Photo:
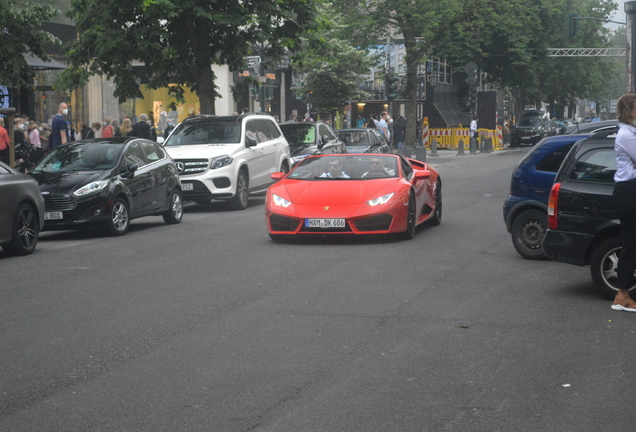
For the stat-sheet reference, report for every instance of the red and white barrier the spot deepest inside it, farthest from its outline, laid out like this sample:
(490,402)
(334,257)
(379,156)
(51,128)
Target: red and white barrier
(425,132)
(499,137)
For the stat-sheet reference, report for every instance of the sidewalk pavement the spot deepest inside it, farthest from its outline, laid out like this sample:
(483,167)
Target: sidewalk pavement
(450,153)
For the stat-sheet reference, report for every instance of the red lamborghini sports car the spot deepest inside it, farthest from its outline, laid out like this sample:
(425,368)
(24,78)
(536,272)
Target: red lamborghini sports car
(354,194)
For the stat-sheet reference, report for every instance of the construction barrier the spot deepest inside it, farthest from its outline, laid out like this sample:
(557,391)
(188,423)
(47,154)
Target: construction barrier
(425,133)
(500,139)
(449,138)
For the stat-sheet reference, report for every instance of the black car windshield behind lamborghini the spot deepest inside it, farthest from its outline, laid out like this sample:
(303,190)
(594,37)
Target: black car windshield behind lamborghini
(299,134)
(530,122)
(205,132)
(346,167)
(81,156)
(353,138)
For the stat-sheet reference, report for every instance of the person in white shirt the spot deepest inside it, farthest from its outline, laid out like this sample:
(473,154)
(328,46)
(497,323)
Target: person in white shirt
(378,169)
(624,200)
(384,126)
(335,170)
(473,128)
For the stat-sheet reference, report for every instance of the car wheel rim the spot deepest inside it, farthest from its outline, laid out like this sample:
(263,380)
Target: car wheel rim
(609,266)
(177,207)
(411,219)
(438,203)
(120,216)
(242,190)
(27,228)
(532,234)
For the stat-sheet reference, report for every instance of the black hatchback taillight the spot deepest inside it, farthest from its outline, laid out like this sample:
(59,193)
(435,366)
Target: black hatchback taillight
(553,206)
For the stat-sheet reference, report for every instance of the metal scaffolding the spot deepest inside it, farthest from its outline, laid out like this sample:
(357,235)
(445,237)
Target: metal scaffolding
(587,52)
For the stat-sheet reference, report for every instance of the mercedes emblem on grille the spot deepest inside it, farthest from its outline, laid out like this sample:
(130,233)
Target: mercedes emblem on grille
(180,167)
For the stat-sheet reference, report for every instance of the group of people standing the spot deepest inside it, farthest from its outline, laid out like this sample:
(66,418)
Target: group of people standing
(392,130)
(33,141)
(144,128)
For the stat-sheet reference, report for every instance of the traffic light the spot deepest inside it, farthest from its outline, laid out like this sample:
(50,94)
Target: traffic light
(573,24)
(391,86)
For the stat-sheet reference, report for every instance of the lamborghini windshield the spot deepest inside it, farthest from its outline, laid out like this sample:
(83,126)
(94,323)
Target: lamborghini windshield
(346,167)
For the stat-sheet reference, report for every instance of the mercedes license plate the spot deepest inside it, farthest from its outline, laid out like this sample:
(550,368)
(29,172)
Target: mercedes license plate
(187,186)
(325,223)
(53,215)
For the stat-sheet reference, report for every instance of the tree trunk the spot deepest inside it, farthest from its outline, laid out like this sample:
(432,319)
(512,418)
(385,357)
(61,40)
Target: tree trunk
(519,96)
(413,55)
(205,87)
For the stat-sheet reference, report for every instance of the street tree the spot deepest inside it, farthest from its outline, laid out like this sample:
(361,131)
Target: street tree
(564,80)
(420,23)
(330,65)
(508,40)
(21,33)
(177,40)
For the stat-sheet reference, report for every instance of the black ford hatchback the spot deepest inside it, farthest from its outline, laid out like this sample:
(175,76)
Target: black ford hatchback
(107,183)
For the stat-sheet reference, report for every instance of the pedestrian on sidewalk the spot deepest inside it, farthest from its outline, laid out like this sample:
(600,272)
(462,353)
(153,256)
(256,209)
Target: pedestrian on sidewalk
(142,129)
(624,199)
(384,126)
(399,129)
(4,143)
(59,129)
(108,130)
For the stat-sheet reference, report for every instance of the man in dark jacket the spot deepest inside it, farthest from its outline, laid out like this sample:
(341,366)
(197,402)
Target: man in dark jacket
(142,129)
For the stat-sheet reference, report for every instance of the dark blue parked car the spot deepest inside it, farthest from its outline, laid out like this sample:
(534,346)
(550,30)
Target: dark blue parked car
(525,209)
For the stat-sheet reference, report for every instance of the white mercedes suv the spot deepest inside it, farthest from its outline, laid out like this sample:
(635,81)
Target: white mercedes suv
(227,157)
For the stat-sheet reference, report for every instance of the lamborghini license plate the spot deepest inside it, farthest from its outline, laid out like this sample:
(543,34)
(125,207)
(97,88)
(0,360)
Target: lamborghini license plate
(325,223)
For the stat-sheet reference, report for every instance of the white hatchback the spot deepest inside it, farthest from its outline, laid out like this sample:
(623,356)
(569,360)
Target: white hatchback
(227,157)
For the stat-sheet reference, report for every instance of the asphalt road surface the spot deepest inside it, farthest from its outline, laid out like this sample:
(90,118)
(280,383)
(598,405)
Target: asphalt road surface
(210,326)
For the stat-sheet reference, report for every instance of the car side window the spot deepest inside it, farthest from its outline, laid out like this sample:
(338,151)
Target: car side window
(152,151)
(273,130)
(3,170)
(251,131)
(375,138)
(262,131)
(134,155)
(322,130)
(326,130)
(597,165)
(552,162)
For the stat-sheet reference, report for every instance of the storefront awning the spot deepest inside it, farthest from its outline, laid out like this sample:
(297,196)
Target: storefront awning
(36,62)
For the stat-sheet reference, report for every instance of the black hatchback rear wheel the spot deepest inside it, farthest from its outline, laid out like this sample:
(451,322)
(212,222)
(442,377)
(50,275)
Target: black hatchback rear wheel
(603,267)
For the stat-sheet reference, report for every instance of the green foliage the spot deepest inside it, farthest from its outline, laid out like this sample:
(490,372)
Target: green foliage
(332,68)
(508,38)
(421,23)
(20,23)
(178,40)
